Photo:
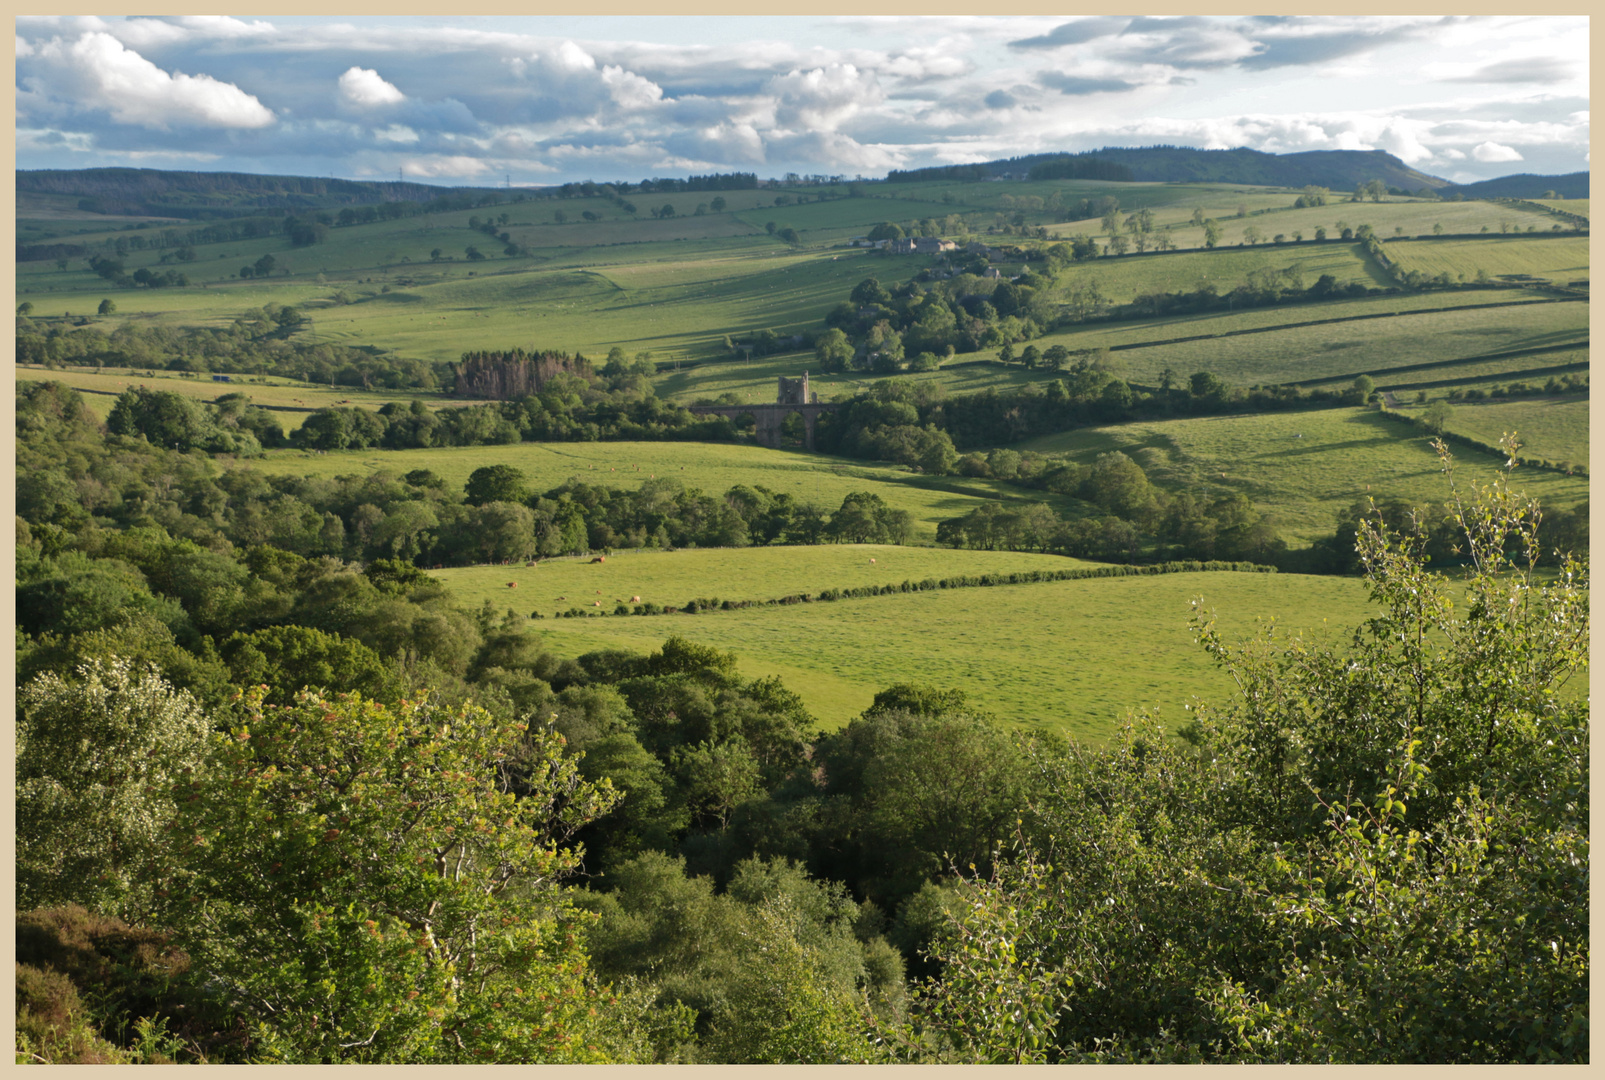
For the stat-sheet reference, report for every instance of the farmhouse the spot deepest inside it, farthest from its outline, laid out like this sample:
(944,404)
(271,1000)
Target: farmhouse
(920,245)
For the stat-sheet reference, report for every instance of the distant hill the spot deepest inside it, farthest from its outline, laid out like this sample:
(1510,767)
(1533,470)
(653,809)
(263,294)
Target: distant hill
(164,193)
(1524,186)
(1341,170)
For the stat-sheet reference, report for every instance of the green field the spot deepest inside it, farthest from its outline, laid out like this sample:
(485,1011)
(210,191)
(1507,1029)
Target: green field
(1570,206)
(1306,354)
(675,286)
(679,306)
(1415,217)
(713,468)
(1534,367)
(1553,428)
(1381,341)
(296,399)
(1069,656)
(670,578)
(1304,468)
(1557,260)
(1123,278)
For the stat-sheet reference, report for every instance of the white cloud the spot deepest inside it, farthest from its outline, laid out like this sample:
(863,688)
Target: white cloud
(580,98)
(365,87)
(570,57)
(98,71)
(831,149)
(1401,138)
(721,144)
(1492,151)
(452,165)
(819,100)
(629,90)
(939,61)
(144,33)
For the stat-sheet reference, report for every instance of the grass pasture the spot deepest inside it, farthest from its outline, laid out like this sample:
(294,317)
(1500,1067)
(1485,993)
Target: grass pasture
(1553,428)
(672,578)
(1557,260)
(1304,467)
(713,468)
(1069,656)
(1165,328)
(291,400)
(1415,217)
(1531,368)
(1124,278)
(1570,206)
(679,304)
(1309,354)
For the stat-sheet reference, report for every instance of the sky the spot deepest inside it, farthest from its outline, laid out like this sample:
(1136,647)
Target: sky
(535,100)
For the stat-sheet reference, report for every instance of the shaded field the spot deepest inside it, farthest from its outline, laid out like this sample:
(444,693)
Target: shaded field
(1571,206)
(712,468)
(1558,260)
(1304,468)
(679,305)
(1325,351)
(671,578)
(673,309)
(1070,656)
(1528,367)
(1553,428)
(291,400)
(1415,217)
(1110,334)
(1122,279)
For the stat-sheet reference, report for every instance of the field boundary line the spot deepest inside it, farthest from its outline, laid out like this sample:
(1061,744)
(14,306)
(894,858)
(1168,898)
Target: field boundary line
(965,581)
(1524,373)
(1340,319)
(1429,365)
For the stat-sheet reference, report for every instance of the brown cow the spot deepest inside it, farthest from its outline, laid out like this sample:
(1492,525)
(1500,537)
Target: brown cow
(600,558)
(512,584)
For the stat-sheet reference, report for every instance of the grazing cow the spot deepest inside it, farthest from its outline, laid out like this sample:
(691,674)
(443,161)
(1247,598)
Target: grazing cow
(596,603)
(512,584)
(635,599)
(562,598)
(872,560)
(600,558)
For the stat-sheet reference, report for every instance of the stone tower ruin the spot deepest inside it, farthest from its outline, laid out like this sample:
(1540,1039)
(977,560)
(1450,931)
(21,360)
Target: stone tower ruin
(794,391)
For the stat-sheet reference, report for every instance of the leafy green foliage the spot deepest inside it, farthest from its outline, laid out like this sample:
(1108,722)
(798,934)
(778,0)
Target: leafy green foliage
(364,882)
(1376,853)
(774,969)
(95,758)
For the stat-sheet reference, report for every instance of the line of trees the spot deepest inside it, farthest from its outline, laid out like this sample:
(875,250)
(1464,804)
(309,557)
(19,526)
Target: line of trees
(283,808)
(257,342)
